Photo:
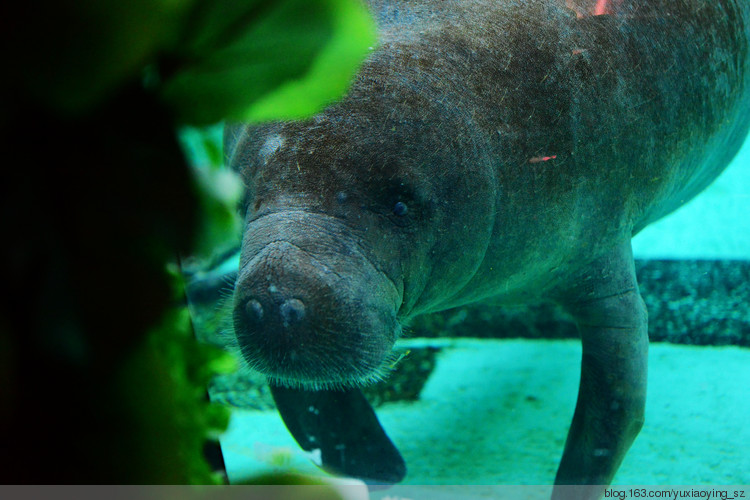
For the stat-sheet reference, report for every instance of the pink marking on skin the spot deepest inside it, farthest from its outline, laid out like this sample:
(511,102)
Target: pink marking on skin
(602,7)
(538,159)
(585,8)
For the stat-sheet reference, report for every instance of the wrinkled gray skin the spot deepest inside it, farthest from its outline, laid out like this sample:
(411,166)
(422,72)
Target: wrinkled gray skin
(489,150)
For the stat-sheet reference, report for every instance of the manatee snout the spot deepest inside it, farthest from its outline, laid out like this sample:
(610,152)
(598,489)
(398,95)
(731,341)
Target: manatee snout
(310,310)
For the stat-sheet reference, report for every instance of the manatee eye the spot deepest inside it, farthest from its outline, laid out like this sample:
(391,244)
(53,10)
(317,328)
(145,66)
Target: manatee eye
(400,209)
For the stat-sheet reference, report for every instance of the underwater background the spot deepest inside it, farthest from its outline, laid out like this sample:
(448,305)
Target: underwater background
(100,379)
(484,396)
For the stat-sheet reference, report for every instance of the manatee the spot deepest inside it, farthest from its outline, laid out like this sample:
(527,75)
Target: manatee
(488,150)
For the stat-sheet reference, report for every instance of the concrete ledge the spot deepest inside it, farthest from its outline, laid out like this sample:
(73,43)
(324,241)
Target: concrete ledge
(701,302)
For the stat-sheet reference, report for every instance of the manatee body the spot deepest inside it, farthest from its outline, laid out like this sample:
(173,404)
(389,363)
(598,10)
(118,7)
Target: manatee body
(488,150)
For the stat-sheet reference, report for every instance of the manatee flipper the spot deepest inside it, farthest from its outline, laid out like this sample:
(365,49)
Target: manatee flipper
(343,425)
(612,320)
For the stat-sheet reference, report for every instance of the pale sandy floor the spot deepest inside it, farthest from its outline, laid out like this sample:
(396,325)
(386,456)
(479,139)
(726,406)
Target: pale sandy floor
(497,411)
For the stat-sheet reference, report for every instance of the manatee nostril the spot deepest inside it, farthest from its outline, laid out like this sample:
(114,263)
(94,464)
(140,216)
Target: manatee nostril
(253,310)
(292,311)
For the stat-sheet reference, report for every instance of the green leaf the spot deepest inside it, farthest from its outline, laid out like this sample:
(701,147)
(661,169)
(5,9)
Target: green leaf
(272,60)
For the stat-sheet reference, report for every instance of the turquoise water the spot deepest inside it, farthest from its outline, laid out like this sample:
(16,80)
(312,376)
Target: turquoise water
(496,411)
(714,225)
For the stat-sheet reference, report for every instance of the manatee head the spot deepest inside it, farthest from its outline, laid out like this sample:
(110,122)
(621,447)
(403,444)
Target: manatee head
(320,284)
(311,309)
(356,220)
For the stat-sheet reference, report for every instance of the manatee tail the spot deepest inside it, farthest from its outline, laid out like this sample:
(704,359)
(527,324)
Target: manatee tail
(344,427)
